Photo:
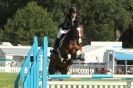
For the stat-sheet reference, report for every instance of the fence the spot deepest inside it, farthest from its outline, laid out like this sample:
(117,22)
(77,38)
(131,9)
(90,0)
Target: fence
(89,84)
(122,69)
(10,69)
(88,69)
(93,81)
(30,77)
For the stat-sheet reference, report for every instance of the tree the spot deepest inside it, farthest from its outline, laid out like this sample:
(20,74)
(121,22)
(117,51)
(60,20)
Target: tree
(30,21)
(1,35)
(8,9)
(102,18)
(126,38)
(99,20)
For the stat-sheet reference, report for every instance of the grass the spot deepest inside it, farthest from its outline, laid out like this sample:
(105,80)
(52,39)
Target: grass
(7,80)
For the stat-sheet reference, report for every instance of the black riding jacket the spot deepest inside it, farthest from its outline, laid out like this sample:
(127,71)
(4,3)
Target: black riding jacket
(68,23)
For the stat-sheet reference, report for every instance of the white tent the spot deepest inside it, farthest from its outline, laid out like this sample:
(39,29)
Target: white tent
(93,54)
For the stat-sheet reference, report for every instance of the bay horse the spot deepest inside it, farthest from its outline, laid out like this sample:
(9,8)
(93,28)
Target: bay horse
(71,44)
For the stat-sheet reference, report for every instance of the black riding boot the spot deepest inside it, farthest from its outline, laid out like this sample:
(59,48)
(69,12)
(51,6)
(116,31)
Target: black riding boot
(56,45)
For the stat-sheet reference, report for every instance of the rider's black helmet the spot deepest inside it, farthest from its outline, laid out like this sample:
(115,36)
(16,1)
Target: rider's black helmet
(72,10)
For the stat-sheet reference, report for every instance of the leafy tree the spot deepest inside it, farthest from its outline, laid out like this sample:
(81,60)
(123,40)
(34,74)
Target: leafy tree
(8,9)
(102,18)
(30,21)
(126,38)
(100,24)
(58,8)
(1,35)
(126,24)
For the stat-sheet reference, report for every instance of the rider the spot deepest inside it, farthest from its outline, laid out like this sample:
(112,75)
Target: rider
(71,20)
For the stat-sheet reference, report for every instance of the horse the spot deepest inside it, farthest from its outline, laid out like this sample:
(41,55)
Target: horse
(71,46)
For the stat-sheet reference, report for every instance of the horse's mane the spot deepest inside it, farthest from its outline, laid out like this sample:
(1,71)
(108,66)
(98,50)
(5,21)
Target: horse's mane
(71,35)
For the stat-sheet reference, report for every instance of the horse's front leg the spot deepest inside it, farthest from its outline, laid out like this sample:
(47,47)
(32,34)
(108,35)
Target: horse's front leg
(73,57)
(51,68)
(65,70)
(52,64)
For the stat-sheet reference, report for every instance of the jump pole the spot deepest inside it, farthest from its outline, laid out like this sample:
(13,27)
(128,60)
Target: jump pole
(91,76)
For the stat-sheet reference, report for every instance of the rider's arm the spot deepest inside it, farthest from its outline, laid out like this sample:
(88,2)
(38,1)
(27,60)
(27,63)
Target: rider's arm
(65,24)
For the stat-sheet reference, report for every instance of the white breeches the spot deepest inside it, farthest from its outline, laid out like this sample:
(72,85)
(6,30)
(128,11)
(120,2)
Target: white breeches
(61,32)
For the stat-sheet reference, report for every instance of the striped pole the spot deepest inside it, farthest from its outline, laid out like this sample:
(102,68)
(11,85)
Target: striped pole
(91,76)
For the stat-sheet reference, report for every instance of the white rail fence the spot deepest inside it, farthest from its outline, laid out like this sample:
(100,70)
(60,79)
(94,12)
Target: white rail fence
(81,69)
(73,70)
(10,69)
(89,84)
(86,69)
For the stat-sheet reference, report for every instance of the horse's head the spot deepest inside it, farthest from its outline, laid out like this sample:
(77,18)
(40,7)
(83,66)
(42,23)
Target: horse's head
(76,33)
(80,31)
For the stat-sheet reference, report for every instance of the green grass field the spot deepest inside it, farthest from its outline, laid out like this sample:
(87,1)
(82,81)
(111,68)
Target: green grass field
(7,80)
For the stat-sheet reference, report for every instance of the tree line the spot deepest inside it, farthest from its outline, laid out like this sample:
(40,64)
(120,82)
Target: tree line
(104,20)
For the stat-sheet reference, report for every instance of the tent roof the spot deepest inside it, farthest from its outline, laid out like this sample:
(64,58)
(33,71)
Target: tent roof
(124,56)
(17,50)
